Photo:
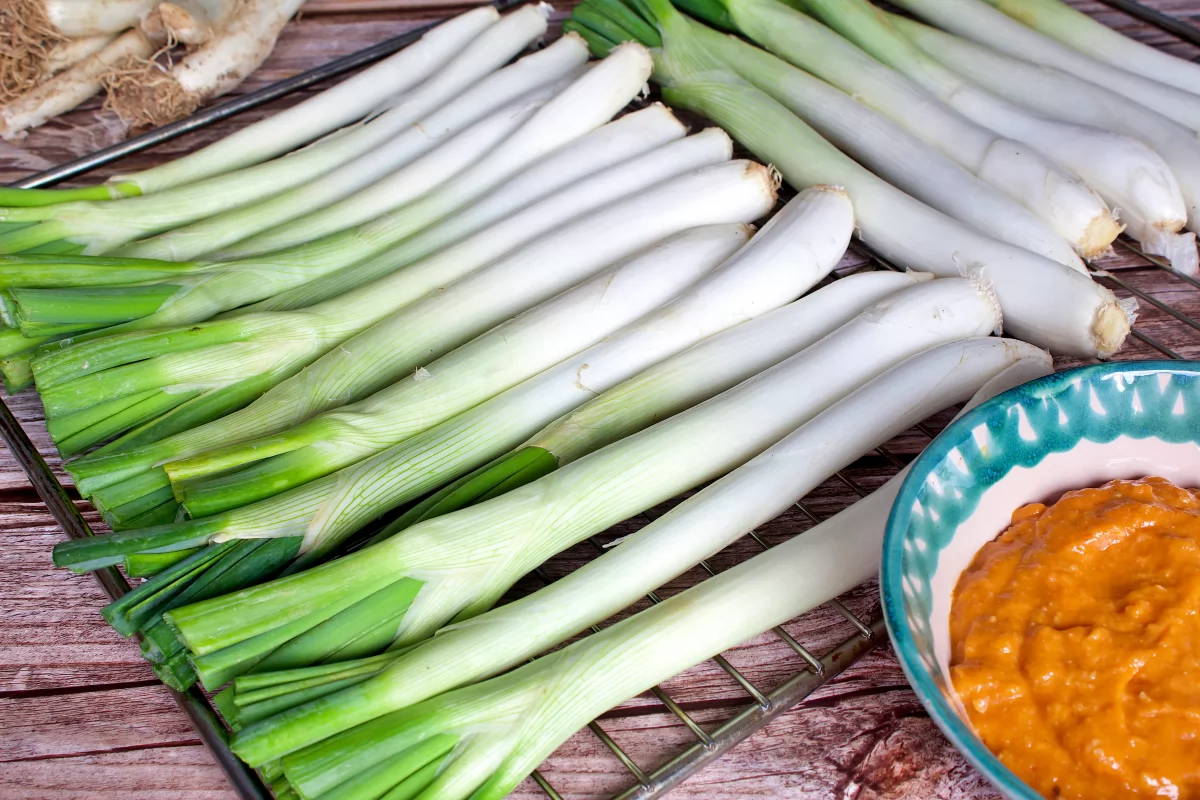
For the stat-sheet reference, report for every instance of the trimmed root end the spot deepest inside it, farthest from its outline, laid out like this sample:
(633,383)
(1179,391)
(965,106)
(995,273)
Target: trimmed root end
(1098,238)
(144,94)
(27,40)
(1112,325)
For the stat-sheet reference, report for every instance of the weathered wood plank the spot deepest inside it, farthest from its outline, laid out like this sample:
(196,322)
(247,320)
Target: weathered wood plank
(185,772)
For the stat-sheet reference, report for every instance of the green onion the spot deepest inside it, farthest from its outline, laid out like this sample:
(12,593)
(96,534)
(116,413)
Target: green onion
(586,104)
(1055,195)
(217,233)
(463,562)
(1057,95)
(505,726)
(105,226)
(501,358)
(1126,173)
(976,20)
(1044,302)
(446,319)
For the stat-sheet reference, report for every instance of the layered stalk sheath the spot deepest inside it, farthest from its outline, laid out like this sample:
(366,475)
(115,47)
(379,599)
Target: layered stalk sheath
(976,20)
(1044,302)
(586,104)
(886,148)
(507,725)
(1061,199)
(105,226)
(536,76)
(458,565)
(1128,175)
(419,332)
(505,636)
(617,142)
(1076,29)
(1058,95)
(351,99)
(318,327)
(762,277)
(759,277)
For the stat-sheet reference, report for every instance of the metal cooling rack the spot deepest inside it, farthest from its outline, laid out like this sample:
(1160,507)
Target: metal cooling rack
(813,671)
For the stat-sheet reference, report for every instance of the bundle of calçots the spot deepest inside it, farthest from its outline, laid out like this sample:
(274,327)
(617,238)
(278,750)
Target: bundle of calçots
(338,381)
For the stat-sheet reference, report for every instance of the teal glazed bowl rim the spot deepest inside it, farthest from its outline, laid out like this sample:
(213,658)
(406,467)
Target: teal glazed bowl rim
(1018,452)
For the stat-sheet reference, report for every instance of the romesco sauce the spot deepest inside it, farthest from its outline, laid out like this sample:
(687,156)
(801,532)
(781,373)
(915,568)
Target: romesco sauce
(1075,643)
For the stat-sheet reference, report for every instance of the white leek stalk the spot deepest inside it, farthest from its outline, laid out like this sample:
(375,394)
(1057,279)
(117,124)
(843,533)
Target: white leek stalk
(523,197)
(463,562)
(1058,20)
(351,99)
(449,318)
(586,104)
(532,76)
(76,18)
(416,335)
(1126,173)
(322,325)
(1044,302)
(1058,95)
(976,20)
(473,373)
(104,226)
(760,278)
(1075,211)
(885,148)
(506,726)
(328,510)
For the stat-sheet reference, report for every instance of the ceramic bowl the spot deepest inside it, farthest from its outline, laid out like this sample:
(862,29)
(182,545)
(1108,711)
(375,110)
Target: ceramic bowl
(1065,431)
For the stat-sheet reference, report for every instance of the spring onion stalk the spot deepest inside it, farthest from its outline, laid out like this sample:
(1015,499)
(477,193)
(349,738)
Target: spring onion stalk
(632,134)
(1124,171)
(396,189)
(1059,21)
(1058,197)
(696,529)
(482,740)
(886,148)
(372,360)
(105,226)
(978,21)
(1059,95)
(569,167)
(760,279)
(583,106)
(506,355)
(327,510)
(263,694)
(507,536)
(336,506)
(350,100)
(49,271)
(316,329)
(1045,303)
(509,354)
(510,84)
(674,385)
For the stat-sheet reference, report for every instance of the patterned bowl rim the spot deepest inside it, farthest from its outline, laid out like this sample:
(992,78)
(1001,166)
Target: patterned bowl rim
(895,617)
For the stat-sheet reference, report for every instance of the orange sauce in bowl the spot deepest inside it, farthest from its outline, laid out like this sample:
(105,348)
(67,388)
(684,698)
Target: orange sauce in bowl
(1075,643)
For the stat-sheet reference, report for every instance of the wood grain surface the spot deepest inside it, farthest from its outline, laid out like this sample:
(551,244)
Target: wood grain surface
(81,715)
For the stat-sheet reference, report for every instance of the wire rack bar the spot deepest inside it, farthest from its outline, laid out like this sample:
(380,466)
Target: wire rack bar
(1165,22)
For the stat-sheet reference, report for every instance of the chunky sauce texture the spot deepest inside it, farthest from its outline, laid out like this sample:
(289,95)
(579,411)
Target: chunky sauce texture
(1075,643)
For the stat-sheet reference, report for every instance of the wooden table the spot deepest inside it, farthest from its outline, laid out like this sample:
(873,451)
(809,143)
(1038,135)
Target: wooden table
(81,715)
